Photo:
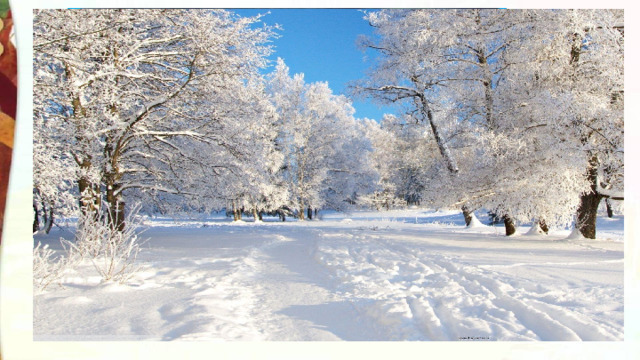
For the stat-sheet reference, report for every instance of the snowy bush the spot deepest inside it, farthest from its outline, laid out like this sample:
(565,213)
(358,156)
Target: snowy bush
(112,252)
(46,269)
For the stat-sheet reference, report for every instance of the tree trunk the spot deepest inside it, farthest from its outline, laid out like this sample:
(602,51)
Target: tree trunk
(260,215)
(509,225)
(589,202)
(89,199)
(116,214)
(89,193)
(256,217)
(116,206)
(120,217)
(487,83)
(452,166)
(543,226)
(587,213)
(309,213)
(609,207)
(282,216)
(449,160)
(468,215)
(301,213)
(45,215)
(234,210)
(49,223)
(36,220)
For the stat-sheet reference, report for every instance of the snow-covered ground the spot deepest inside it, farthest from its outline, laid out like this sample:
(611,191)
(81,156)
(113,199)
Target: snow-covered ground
(396,275)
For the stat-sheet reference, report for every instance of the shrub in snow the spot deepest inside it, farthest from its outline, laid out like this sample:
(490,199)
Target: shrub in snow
(112,252)
(46,269)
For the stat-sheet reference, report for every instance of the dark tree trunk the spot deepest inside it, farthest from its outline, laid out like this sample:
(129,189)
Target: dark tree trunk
(589,202)
(587,213)
(468,215)
(509,225)
(49,223)
(89,199)
(260,214)
(609,208)
(282,216)
(36,219)
(309,213)
(45,215)
(120,219)
(543,226)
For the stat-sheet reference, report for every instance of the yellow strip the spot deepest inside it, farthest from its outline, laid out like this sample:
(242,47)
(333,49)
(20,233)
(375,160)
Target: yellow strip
(7,125)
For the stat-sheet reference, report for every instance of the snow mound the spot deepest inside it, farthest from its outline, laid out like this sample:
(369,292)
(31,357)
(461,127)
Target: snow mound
(535,230)
(576,235)
(475,223)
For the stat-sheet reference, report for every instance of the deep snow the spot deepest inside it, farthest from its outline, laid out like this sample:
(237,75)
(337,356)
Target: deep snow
(396,275)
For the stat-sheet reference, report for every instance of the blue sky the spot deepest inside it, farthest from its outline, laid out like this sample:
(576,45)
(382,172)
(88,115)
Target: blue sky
(321,43)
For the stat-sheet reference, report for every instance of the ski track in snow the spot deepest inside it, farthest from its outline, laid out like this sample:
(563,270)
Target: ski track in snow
(424,295)
(347,280)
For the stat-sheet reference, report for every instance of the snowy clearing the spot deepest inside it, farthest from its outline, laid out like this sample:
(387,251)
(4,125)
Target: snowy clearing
(396,275)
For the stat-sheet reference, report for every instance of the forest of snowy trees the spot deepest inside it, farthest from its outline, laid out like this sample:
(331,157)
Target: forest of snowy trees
(518,112)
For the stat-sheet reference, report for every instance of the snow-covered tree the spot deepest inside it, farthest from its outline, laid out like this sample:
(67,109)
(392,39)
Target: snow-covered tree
(144,99)
(54,179)
(314,129)
(384,161)
(351,173)
(400,156)
(514,159)
(583,68)
(483,81)
(254,185)
(539,146)
(411,70)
